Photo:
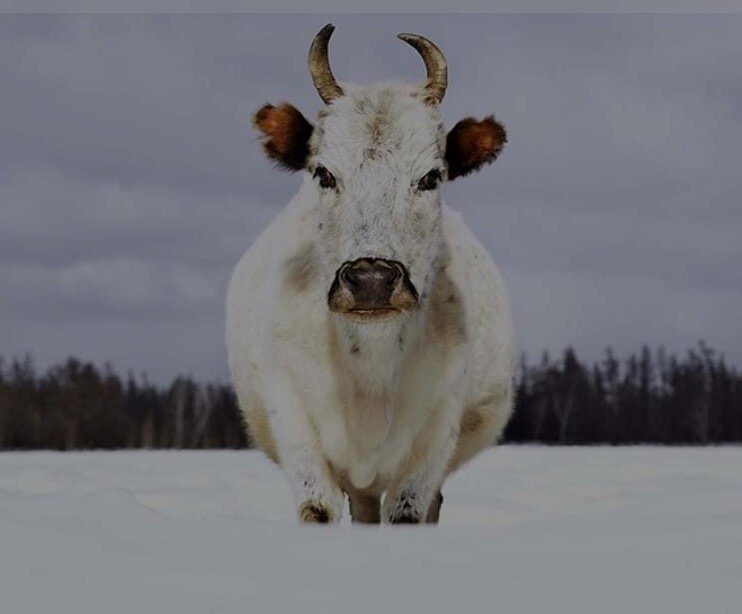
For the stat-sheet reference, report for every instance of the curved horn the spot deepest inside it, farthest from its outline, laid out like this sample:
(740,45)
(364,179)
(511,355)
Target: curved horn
(319,66)
(435,64)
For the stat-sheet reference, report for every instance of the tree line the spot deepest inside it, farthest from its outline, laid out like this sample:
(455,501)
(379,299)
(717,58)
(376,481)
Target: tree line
(650,397)
(77,406)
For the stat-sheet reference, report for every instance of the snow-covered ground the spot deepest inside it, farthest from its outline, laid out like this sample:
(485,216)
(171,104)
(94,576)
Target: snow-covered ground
(557,530)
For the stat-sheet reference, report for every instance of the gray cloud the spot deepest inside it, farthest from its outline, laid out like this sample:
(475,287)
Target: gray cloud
(130,180)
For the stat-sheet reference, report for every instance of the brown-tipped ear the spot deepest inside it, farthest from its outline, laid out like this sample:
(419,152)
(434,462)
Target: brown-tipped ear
(286,134)
(471,144)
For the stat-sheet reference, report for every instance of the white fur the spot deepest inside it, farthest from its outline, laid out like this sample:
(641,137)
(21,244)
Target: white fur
(287,350)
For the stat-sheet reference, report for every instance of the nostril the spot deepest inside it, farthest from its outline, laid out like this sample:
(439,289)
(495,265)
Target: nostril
(393,276)
(349,276)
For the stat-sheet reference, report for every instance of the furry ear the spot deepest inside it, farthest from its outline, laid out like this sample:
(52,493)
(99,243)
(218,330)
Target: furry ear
(471,144)
(286,134)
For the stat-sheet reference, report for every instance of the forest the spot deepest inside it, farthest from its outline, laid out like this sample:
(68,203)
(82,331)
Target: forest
(651,397)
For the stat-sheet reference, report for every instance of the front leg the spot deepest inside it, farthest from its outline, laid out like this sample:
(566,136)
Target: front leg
(318,498)
(411,497)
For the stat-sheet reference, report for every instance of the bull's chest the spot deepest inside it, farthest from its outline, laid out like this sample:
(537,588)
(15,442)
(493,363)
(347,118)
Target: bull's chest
(368,427)
(371,442)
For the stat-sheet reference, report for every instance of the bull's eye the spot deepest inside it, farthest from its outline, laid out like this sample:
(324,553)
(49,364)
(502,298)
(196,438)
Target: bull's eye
(429,181)
(326,178)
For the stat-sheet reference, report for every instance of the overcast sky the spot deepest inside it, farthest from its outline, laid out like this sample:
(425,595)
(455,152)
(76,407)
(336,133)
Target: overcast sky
(131,180)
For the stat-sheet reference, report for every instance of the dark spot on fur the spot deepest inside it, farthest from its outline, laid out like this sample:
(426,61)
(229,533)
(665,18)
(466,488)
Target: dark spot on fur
(301,268)
(471,421)
(404,512)
(353,337)
(446,321)
(355,349)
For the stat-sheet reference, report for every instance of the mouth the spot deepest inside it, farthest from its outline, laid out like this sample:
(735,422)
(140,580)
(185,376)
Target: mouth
(377,314)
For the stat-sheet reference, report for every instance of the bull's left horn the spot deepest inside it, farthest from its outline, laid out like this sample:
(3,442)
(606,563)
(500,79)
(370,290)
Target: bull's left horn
(435,64)
(319,66)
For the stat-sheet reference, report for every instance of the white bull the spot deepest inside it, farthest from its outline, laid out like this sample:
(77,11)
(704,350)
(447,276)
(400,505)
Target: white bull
(368,330)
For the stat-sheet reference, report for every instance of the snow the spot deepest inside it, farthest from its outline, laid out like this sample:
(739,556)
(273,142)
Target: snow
(523,529)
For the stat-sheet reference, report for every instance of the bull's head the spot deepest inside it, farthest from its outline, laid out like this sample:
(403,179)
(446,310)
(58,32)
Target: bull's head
(374,162)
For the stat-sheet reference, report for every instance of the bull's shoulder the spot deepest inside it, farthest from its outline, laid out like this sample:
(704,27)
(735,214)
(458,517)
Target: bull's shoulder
(471,266)
(281,256)
(486,307)
(277,248)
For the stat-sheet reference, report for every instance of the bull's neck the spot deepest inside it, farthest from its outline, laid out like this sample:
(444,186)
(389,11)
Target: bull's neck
(373,353)
(366,344)
(371,361)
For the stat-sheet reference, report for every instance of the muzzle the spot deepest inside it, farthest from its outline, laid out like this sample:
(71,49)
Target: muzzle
(372,289)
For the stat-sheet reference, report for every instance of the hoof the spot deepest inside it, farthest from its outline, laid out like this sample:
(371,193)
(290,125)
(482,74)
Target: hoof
(311,512)
(405,511)
(405,519)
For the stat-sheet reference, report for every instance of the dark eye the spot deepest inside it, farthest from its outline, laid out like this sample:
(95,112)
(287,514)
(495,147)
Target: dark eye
(430,181)
(326,178)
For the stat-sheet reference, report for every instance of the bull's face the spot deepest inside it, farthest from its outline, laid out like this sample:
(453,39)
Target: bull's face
(376,164)
(375,161)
